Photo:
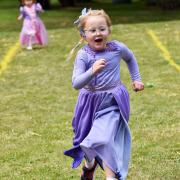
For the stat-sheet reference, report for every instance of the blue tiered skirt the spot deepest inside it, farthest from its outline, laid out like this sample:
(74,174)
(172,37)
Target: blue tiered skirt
(100,126)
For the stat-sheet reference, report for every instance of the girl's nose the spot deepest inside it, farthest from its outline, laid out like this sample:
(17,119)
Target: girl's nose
(97,32)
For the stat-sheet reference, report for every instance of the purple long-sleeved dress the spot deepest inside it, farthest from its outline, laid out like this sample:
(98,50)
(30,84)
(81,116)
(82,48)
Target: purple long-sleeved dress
(100,122)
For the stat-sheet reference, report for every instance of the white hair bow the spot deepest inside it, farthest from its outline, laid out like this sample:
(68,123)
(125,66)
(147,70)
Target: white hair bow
(83,13)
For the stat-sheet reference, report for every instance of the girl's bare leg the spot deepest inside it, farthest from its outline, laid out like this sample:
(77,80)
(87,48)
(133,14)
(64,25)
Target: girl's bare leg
(89,164)
(110,175)
(29,42)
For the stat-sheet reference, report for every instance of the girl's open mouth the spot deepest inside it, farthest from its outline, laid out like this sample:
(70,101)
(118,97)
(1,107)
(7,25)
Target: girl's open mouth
(98,40)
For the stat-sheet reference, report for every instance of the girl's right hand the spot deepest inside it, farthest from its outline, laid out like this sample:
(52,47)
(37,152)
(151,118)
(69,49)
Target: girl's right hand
(19,17)
(98,66)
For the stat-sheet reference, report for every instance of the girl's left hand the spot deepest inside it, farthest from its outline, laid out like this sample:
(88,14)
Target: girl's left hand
(137,86)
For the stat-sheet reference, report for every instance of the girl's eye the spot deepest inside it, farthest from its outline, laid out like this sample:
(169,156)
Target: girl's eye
(92,30)
(102,29)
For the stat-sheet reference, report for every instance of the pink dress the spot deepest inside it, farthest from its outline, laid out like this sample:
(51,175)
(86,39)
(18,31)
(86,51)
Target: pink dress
(32,26)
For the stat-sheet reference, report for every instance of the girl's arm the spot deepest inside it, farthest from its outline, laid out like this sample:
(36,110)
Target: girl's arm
(21,13)
(130,59)
(39,8)
(81,75)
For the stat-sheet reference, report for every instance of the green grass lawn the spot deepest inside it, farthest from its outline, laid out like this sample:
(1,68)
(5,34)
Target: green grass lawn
(37,100)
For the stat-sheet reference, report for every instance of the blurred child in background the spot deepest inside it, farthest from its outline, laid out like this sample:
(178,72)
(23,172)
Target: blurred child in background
(33,30)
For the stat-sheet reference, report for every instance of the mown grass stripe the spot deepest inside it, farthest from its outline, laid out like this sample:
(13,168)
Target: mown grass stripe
(166,53)
(8,57)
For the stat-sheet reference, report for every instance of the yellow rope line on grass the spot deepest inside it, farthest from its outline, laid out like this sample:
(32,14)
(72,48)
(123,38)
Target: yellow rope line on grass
(8,57)
(166,54)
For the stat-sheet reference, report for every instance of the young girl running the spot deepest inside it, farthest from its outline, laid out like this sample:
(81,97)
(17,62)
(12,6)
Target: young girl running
(33,30)
(100,123)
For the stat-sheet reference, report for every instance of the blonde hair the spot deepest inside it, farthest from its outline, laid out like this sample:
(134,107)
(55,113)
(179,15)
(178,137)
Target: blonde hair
(83,19)
(81,24)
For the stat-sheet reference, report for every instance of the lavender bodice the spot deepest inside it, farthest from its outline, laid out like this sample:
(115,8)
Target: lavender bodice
(31,12)
(110,76)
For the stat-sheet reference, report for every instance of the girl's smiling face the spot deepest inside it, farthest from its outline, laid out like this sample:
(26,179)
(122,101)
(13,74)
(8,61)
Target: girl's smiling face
(96,32)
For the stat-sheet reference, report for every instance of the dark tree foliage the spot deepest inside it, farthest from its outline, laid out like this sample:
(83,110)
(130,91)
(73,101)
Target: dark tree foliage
(83,1)
(165,4)
(44,3)
(121,1)
(66,3)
